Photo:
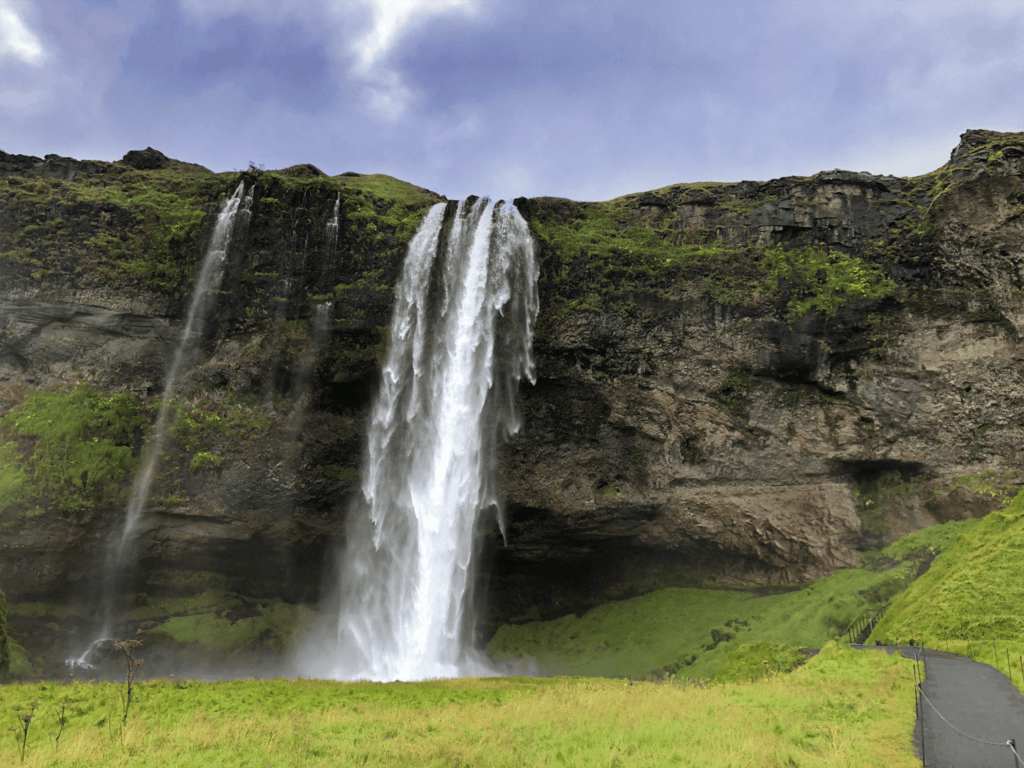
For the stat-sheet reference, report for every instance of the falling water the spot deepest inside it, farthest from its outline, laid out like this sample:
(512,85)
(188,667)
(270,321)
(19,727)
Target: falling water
(460,341)
(203,298)
(331,228)
(202,301)
(320,327)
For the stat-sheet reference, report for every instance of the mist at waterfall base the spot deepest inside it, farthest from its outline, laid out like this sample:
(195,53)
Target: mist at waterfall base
(120,555)
(403,606)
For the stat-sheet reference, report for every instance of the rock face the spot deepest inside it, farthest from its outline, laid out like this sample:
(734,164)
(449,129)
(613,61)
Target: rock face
(746,382)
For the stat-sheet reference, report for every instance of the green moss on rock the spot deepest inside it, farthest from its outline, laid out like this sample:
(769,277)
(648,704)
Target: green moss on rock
(74,450)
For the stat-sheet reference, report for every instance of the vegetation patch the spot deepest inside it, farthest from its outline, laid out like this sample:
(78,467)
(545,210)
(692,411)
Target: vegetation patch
(210,418)
(689,631)
(842,709)
(971,596)
(596,255)
(748,662)
(160,212)
(72,450)
(872,498)
(185,608)
(821,281)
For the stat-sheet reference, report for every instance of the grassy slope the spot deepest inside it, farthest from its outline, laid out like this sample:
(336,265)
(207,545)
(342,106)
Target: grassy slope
(672,627)
(841,709)
(972,597)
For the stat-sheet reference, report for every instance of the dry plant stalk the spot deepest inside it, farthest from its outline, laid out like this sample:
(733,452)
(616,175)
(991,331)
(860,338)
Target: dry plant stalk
(25,715)
(128,647)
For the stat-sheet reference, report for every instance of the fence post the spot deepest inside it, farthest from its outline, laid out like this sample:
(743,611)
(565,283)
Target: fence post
(920,693)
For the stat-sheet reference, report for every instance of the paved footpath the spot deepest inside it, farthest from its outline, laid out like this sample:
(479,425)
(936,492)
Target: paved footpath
(977,700)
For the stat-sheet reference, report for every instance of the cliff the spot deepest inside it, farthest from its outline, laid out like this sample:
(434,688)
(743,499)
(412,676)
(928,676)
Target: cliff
(746,382)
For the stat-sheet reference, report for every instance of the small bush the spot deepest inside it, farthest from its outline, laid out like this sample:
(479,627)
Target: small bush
(205,460)
(753,661)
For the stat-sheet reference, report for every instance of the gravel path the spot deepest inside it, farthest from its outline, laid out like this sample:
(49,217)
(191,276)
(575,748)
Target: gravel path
(974,698)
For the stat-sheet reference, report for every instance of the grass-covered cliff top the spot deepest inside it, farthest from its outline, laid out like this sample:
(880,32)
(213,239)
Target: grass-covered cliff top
(785,247)
(123,224)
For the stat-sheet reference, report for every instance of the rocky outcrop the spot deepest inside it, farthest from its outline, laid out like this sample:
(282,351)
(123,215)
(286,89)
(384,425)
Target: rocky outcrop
(747,382)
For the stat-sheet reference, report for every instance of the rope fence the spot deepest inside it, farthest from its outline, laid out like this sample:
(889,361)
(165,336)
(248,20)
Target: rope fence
(919,676)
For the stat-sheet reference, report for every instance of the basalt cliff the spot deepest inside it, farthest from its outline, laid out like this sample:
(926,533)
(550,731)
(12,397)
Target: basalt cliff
(746,382)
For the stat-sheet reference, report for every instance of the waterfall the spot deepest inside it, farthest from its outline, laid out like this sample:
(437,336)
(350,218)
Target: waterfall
(331,228)
(203,298)
(320,327)
(461,339)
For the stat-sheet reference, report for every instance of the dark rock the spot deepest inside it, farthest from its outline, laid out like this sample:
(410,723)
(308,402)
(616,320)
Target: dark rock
(303,171)
(147,159)
(651,199)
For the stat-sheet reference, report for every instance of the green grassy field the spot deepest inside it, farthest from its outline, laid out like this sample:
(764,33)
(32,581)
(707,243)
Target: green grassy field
(757,702)
(843,708)
(689,632)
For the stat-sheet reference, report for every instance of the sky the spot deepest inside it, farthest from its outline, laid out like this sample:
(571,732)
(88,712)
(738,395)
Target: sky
(586,99)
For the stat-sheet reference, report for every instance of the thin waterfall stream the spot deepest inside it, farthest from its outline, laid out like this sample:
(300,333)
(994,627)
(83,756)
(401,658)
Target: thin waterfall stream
(461,339)
(119,547)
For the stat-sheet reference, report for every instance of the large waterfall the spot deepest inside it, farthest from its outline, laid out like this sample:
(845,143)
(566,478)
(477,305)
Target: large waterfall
(461,339)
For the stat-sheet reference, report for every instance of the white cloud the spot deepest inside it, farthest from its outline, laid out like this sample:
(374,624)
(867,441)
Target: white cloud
(390,18)
(386,95)
(16,39)
(381,25)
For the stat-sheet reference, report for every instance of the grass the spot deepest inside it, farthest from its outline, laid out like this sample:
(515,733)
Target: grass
(756,661)
(972,596)
(691,631)
(842,709)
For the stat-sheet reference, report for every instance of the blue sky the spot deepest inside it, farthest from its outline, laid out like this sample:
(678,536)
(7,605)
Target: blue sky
(587,100)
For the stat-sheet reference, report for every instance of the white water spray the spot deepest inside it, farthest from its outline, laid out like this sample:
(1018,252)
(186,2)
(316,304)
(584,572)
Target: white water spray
(320,327)
(461,338)
(203,298)
(331,228)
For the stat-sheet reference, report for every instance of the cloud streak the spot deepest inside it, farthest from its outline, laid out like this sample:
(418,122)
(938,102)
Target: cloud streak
(17,41)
